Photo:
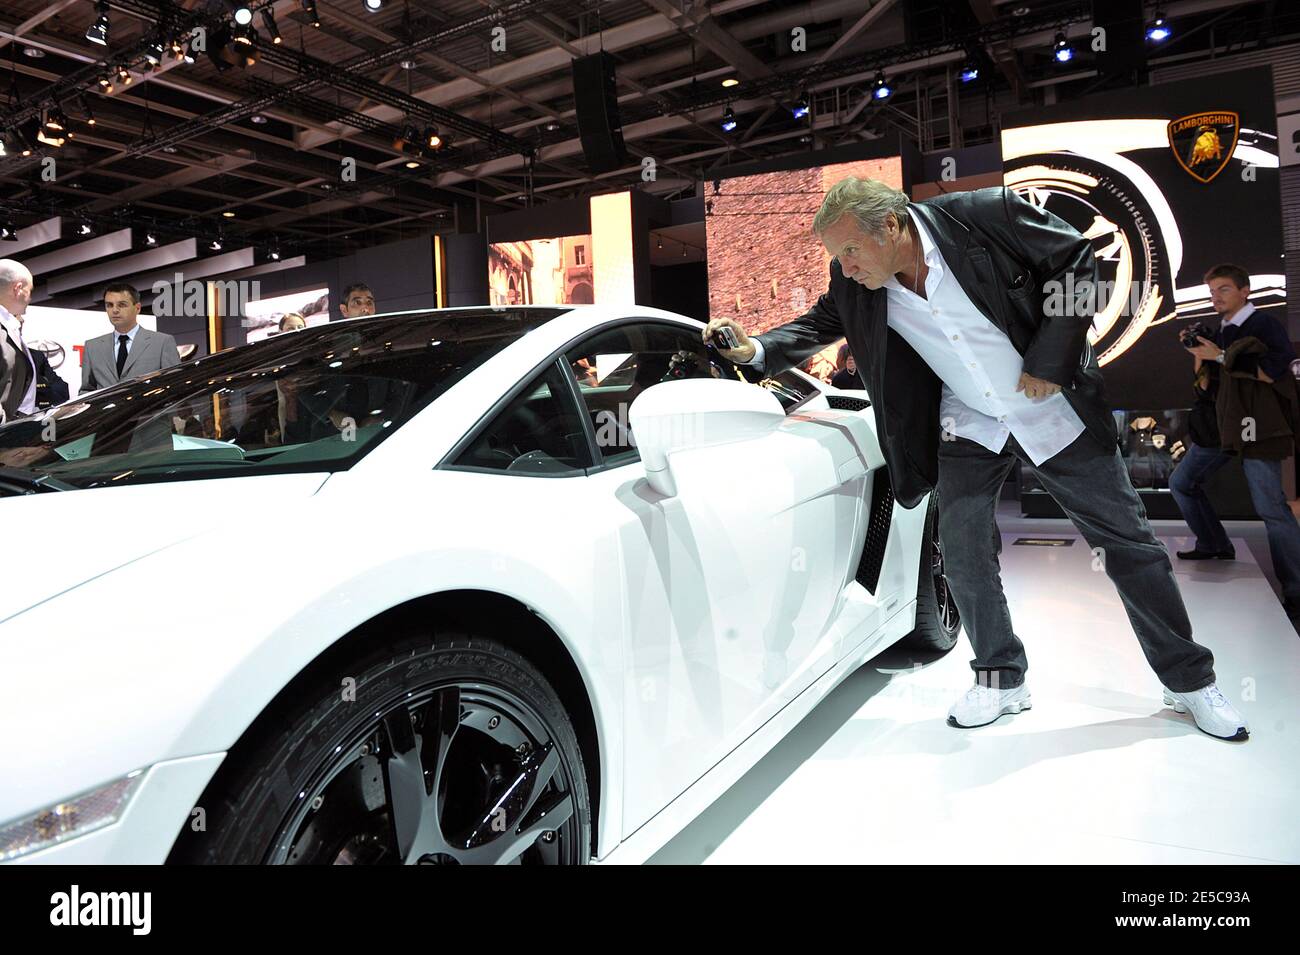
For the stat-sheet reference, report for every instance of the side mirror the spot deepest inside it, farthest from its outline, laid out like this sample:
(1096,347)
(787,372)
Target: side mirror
(694,413)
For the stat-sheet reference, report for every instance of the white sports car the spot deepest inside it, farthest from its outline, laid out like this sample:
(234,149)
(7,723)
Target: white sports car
(404,589)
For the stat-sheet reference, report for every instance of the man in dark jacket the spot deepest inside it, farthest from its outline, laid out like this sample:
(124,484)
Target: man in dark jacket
(969,314)
(1250,359)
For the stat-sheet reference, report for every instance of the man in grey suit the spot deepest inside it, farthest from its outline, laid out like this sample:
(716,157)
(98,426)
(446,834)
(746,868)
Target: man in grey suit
(130,351)
(17,370)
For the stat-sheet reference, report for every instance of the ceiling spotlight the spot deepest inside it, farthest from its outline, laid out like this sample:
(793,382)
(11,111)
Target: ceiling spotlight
(228,214)
(150,239)
(411,164)
(176,49)
(188,55)
(1158,29)
(243,34)
(20,141)
(881,89)
(552,126)
(97,32)
(268,20)
(431,138)
(85,228)
(730,81)
(123,74)
(243,14)
(309,8)
(1062,50)
(215,244)
(34,52)
(274,254)
(800,109)
(155,52)
(106,82)
(728,120)
(55,120)
(258,118)
(85,108)
(969,71)
(8,231)
(53,131)
(373,6)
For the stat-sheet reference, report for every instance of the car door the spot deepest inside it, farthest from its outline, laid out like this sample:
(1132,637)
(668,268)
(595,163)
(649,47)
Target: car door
(732,584)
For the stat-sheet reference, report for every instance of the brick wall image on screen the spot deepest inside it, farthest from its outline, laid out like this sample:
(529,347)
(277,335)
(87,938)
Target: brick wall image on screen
(766,267)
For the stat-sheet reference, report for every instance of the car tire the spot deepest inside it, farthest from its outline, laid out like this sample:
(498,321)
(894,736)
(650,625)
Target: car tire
(447,750)
(938,621)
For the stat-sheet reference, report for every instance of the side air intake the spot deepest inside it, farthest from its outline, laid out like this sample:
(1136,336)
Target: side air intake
(882,512)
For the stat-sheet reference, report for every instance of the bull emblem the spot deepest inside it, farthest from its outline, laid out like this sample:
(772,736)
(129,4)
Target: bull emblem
(1203,143)
(1207,146)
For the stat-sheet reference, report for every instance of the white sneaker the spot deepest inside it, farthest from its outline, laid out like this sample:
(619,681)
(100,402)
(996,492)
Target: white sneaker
(1211,710)
(982,705)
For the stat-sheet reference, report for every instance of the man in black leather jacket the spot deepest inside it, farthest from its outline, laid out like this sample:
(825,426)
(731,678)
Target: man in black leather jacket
(969,315)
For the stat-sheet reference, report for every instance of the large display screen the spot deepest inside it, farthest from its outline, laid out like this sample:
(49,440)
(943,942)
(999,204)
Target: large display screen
(555,271)
(765,265)
(261,317)
(1166,181)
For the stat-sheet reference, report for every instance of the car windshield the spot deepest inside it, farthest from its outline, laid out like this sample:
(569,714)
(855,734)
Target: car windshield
(310,400)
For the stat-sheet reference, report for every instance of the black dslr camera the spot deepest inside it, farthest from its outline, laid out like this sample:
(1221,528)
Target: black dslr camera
(1196,330)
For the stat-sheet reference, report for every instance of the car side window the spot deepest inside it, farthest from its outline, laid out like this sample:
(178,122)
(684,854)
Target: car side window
(613,367)
(539,432)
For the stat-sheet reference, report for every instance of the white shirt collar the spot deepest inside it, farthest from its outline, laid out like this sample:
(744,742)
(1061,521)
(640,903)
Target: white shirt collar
(130,335)
(929,251)
(1246,311)
(9,320)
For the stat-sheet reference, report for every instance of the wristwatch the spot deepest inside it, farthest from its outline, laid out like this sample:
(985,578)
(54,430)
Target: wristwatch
(1219,357)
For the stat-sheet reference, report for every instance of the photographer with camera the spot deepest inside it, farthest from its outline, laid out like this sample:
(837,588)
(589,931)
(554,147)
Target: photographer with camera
(1246,406)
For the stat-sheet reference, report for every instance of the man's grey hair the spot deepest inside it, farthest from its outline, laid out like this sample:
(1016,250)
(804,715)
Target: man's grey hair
(12,270)
(869,201)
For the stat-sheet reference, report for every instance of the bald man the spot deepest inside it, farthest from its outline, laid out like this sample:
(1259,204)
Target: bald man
(17,370)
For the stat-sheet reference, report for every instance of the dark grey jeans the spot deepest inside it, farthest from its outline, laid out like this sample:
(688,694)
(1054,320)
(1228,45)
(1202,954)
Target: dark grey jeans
(1094,490)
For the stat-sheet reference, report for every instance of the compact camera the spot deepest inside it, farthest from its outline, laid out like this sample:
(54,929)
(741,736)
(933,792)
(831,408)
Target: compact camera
(1196,330)
(724,337)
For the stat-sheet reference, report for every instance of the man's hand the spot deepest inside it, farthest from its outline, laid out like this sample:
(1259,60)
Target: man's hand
(746,350)
(1207,350)
(1036,387)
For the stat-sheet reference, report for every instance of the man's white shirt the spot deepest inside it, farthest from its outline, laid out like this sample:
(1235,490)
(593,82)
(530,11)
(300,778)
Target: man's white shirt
(14,326)
(976,362)
(130,338)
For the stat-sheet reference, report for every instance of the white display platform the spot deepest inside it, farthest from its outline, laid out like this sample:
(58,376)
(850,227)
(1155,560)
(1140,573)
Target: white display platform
(1097,772)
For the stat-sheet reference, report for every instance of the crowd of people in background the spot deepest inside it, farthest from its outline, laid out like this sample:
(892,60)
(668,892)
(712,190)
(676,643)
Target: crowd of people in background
(29,384)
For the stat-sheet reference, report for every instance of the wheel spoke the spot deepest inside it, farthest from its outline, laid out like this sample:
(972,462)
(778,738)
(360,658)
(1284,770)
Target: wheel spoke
(412,774)
(443,716)
(408,797)
(552,813)
(520,795)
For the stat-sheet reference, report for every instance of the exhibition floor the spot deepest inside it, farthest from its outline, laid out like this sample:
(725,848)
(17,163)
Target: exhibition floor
(1097,772)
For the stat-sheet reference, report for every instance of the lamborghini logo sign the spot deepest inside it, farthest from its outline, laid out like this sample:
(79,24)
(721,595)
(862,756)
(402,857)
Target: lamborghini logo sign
(1203,143)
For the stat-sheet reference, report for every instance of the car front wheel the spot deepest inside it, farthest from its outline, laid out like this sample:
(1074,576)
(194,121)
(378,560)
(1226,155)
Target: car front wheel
(453,750)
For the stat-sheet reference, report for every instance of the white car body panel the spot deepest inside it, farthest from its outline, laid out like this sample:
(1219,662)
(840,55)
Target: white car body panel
(703,625)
